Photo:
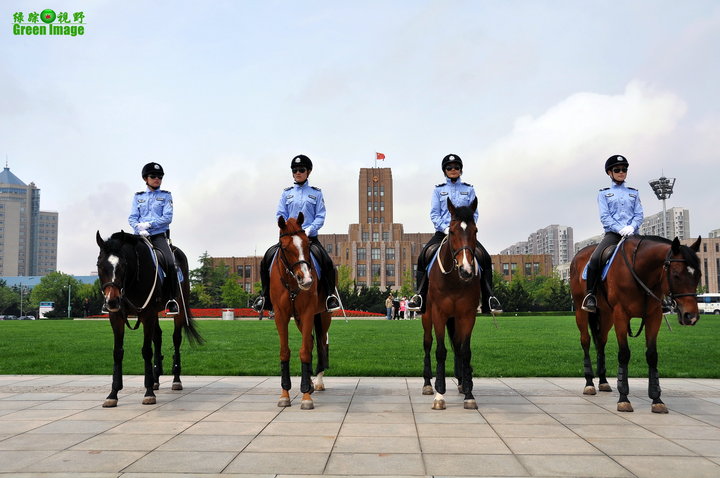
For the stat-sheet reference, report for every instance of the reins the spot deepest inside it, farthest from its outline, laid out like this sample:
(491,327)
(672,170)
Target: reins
(289,271)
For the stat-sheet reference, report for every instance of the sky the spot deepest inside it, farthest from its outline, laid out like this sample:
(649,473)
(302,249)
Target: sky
(534,96)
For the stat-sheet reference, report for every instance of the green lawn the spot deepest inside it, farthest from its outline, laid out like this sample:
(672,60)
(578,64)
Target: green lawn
(519,347)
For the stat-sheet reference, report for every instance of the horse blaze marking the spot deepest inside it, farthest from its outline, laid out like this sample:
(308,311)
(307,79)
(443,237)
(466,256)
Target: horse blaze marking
(297,242)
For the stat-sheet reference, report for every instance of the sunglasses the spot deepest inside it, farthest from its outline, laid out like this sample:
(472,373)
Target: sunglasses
(452,168)
(154,176)
(619,170)
(298,170)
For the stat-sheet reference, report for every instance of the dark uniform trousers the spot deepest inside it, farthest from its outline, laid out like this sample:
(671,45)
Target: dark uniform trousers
(593,270)
(161,242)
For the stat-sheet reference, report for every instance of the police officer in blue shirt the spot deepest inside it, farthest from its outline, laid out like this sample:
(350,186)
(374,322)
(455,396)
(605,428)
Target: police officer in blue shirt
(150,216)
(461,194)
(621,215)
(301,197)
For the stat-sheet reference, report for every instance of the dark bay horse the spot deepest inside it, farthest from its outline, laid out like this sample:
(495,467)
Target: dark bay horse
(452,301)
(129,277)
(294,293)
(645,269)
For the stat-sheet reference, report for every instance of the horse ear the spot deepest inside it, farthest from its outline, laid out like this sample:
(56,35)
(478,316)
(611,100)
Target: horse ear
(301,219)
(451,207)
(696,245)
(99,240)
(281,222)
(473,205)
(676,245)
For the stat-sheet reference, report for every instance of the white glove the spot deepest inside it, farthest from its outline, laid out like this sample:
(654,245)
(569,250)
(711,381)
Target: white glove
(309,231)
(141,226)
(144,233)
(446,231)
(626,231)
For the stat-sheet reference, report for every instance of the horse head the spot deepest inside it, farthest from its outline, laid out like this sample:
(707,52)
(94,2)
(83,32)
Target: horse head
(295,250)
(683,275)
(463,238)
(112,267)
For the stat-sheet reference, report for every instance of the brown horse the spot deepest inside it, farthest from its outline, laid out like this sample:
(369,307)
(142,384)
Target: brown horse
(646,269)
(294,293)
(452,301)
(129,277)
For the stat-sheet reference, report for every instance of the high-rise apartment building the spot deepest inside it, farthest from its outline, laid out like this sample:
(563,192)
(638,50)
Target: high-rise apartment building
(554,240)
(28,236)
(677,220)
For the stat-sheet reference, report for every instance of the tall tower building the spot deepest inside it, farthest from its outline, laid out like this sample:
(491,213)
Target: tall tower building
(28,236)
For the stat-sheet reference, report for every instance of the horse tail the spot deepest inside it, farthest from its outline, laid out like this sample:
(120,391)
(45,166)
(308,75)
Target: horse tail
(594,326)
(191,332)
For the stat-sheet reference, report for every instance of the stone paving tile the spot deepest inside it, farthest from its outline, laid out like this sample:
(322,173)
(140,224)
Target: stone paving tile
(375,444)
(708,448)
(376,429)
(573,465)
(85,461)
(225,428)
(77,426)
(190,462)
(646,446)
(12,461)
(473,465)
(141,427)
(376,464)
(669,467)
(470,446)
(279,463)
(456,430)
(550,446)
(294,444)
(369,417)
(43,441)
(213,442)
(301,429)
(542,431)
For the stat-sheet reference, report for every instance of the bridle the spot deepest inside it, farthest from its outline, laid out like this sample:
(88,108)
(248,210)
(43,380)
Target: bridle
(289,268)
(454,253)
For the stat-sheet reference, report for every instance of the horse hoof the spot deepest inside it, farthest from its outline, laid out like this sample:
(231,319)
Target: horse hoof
(319,387)
(470,405)
(427,390)
(438,405)
(605,387)
(624,407)
(149,401)
(659,408)
(156,386)
(177,386)
(110,403)
(284,402)
(307,405)
(589,390)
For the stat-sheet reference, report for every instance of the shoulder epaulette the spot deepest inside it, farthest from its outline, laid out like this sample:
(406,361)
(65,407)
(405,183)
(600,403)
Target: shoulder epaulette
(316,188)
(288,188)
(440,185)
(604,189)
(139,192)
(164,191)
(468,184)
(634,189)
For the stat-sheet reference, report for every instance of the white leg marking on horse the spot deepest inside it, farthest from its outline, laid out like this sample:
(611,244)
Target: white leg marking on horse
(439,396)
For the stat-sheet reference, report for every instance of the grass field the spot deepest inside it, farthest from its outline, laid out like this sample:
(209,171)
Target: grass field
(519,347)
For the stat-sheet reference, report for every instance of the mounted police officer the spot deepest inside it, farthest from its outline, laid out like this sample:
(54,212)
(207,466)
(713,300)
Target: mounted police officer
(621,214)
(150,217)
(461,194)
(301,197)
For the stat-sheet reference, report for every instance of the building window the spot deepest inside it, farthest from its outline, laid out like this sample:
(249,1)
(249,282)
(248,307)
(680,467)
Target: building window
(361,270)
(329,248)
(365,236)
(369,206)
(375,253)
(389,270)
(248,272)
(386,237)
(375,220)
(240,271)
(382,190)
(361,254)
(528,269)
(536,268)
(375,273)
(375,191)
(506,269)
(382,205)
(390,254)
(376,236)
(369,190)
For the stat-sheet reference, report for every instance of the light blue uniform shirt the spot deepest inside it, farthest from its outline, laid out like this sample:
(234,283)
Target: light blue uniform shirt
(619,207)
(153,206)
(306,199)
(461,194)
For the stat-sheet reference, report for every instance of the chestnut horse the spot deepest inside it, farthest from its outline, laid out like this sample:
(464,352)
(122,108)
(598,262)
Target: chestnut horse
(452,301)
(294,293)
(646,269)
(129,277)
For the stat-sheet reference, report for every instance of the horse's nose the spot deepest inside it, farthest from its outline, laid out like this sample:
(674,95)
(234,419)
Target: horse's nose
(305,282)
(113,305)
(689,319)
(465,275)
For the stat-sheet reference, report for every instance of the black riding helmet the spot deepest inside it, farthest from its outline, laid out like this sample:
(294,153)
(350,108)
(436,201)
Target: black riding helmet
(616,160)
(152,168)
(451,158)
(301,161)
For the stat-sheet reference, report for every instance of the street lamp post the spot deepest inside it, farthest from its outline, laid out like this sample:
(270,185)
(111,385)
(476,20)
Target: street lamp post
(69,306)
(663,188)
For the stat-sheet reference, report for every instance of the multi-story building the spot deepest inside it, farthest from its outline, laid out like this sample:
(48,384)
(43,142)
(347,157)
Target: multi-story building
(709,255)
(587,242)
(554,240)
(678,224)
(28,236)
(528,265)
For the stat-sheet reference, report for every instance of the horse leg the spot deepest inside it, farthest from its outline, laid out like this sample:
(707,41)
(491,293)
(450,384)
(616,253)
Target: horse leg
(465,356)
(322,324)
(149,327)
(281,323)
(440,356)
(603,384)
(582,321)
(117,323)
(651,355)
(157,367)
(457,364)
(177,368)
(306,347)
(427,346)
(623,387)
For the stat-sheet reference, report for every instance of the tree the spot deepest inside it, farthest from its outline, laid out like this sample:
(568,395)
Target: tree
(408,287)
(9,300)
(211,279)
(233,294)
(54,287)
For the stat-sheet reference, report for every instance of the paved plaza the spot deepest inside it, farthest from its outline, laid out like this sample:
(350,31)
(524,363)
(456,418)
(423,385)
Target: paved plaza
(54,426)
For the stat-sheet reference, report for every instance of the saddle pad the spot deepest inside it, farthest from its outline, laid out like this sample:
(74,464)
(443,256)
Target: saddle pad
(161,271)
(605,269)
(315,263)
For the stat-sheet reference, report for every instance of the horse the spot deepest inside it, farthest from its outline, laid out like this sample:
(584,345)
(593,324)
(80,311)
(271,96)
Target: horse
(129,273)
(294,293)
(452,302)
(648,268)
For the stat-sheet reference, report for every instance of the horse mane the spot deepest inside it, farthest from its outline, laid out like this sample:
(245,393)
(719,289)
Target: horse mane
(688,254)
(118,239)
(464,213)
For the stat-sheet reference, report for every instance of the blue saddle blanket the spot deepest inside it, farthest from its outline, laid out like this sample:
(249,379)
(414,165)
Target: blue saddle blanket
(161,271)
(315,263)
(605,269)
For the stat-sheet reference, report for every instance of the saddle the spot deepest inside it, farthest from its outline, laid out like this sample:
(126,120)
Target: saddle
(606,259)
(162,262)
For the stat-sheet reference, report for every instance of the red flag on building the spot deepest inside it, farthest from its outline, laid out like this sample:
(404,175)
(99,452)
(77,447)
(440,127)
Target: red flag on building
(379,156)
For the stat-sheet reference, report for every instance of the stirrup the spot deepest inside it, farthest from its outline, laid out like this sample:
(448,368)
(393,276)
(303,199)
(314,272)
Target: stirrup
(589,303)
(415,301)
(259,304)
(171,308)
(332,303)
(494,304)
